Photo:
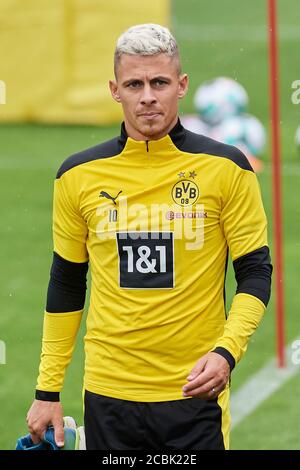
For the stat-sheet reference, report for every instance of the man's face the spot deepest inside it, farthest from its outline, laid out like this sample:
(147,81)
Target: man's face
(148,87)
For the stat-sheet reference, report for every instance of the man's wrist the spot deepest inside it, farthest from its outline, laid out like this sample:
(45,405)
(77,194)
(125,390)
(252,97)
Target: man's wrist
(227,355)
(46,396)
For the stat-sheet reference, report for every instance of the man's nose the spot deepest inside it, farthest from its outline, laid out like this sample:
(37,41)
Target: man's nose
(147,96)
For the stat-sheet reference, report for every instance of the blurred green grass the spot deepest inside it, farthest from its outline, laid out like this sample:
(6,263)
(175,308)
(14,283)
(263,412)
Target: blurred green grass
(224,39)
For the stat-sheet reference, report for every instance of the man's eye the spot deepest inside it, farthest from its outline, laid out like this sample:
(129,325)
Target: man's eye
(134,84)
(160,82)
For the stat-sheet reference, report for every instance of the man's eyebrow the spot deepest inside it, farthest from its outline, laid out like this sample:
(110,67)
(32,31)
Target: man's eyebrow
(159,77)
(130,80)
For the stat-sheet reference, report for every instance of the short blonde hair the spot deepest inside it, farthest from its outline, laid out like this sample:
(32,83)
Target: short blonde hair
(147,39)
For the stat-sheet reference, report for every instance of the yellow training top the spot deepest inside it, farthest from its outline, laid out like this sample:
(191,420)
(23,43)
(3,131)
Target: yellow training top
(155,220)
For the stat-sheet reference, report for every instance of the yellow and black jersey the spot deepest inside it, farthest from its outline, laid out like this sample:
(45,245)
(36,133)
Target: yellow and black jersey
(154,220)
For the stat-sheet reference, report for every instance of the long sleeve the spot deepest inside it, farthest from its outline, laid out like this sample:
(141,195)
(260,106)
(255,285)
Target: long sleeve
(245,227)
(66,293)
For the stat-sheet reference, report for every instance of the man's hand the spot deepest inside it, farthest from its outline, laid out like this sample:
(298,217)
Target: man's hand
(43,414)
(208,378)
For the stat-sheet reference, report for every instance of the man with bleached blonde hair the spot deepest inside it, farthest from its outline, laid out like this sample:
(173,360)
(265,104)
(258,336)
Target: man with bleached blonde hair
(154,211)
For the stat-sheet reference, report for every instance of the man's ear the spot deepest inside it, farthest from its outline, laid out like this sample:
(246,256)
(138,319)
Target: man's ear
(183,85)
(114,90)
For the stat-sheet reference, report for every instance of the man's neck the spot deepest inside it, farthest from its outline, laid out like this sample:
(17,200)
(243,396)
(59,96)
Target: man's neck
(135,134)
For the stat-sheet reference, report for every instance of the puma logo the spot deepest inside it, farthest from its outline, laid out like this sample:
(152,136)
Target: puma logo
(108,196)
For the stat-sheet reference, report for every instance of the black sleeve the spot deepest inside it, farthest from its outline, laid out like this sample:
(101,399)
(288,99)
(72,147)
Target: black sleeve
(253,274)
(67,286)
(46,396)
(227,355)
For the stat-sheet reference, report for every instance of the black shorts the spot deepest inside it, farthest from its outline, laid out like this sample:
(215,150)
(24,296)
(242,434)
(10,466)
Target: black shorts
(188,424)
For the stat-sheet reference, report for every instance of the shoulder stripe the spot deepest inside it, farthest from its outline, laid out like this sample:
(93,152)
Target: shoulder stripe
(196,143)
(107,149)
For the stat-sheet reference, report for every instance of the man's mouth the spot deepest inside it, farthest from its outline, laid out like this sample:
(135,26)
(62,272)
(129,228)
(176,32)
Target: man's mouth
(149,116)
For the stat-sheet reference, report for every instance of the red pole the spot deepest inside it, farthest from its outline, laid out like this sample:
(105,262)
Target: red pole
(276,176)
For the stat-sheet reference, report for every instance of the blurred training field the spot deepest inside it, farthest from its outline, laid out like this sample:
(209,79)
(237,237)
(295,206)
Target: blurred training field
(216,38)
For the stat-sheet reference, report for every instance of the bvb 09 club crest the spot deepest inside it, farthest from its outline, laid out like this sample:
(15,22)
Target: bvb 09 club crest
(185,193)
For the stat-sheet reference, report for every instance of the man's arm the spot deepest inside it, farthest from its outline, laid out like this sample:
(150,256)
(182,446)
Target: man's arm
(65,303)
(243,222)
(211,373)
(253,275)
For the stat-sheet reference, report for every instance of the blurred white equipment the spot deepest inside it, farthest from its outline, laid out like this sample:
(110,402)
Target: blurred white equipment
(193,123)
(217,99)
(245,132)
